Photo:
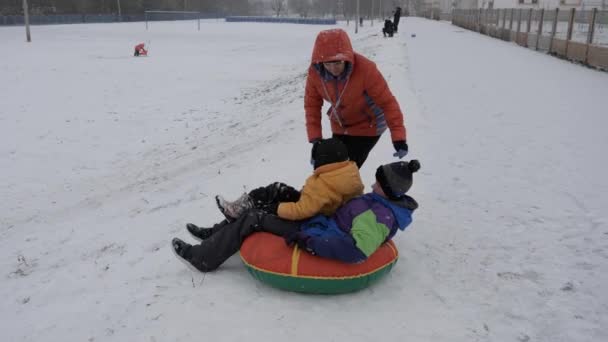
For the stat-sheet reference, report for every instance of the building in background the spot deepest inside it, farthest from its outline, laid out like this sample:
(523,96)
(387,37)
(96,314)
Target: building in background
(562,4)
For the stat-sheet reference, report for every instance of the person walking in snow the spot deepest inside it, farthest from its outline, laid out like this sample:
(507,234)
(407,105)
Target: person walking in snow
(362,105)
(396,18)
(353,233)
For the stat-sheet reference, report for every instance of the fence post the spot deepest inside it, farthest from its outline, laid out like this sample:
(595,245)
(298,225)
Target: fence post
(479,20)
(571,23)
(540,27)
(488,12)
(519,11)
(529,21)
(518,22)
(485,20)
(553,29)
(504,19)
(590,33)
(591,27)
(570,29)
(474,14)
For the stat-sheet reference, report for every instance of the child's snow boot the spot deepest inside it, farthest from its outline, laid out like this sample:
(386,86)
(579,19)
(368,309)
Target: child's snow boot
(232,210)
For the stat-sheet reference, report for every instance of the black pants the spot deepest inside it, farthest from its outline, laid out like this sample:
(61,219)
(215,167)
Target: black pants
(228,237)
(358,146)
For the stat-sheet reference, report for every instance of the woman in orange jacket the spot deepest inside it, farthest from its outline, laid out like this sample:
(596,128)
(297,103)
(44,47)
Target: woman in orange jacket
(362,105)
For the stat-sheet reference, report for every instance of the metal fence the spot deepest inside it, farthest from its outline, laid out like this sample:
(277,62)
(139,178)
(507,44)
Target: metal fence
(580,36)
(99,18)
(435,14)
(308,21)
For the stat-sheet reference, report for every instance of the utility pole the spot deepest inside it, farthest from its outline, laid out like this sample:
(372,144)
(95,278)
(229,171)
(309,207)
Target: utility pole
(26,16)
(357,19)
(372,14)
(119,11)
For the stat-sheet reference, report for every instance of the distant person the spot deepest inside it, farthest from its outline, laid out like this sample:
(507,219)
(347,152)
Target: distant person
(362,105)
(396,18)
(140,50)
(388,28)
(360,21)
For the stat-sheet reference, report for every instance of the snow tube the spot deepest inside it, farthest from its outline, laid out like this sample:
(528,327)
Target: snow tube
(270,260)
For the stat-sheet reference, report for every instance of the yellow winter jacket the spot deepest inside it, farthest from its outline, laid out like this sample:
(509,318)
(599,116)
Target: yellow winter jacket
(328,188)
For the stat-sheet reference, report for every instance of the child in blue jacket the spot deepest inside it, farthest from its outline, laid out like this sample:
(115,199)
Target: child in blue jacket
(361,225)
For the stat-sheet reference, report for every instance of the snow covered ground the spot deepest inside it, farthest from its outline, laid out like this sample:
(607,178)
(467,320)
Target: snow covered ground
(105,157)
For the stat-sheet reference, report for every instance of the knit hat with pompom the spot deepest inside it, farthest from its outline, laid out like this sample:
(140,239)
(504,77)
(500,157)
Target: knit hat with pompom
(395,179)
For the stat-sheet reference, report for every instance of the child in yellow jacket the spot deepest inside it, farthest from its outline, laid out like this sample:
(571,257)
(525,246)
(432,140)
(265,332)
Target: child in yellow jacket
(334,181)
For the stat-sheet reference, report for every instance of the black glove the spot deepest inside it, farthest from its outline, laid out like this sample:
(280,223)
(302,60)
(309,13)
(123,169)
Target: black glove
(401,148)
(272,208)
(287,193)
(261,196)
(275,192)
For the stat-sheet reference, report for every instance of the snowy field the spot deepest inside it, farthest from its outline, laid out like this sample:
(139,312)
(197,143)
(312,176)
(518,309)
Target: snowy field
(106,157)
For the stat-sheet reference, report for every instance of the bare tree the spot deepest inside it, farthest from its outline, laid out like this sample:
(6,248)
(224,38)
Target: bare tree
(277,6)
(301,7)
(46,7)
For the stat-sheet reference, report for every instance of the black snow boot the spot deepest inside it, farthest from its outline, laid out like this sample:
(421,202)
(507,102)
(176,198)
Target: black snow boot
(199,232)
(183,251)
(181,248)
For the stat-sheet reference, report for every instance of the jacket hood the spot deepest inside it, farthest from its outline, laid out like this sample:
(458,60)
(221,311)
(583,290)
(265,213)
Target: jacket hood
(341,177)
(402,209)
(332,45)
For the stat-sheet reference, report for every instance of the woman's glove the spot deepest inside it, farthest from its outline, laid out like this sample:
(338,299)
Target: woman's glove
(401,148)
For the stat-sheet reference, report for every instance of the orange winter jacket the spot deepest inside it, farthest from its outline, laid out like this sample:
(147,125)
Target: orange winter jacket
(361,102)
(328,188)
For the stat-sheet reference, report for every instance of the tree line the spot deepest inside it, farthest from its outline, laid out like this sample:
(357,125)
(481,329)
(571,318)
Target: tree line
(301,8)
(41,7)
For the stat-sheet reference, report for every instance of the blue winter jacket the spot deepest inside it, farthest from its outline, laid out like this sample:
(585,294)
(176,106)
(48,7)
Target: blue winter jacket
(357,228)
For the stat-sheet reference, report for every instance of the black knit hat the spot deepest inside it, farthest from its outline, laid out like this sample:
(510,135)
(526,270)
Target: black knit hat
(395,179)
(328,151)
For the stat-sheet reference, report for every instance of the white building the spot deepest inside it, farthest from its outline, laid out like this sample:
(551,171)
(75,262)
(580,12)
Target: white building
(562,4)
(446,6)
